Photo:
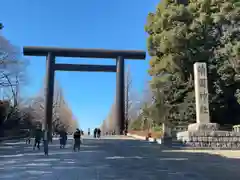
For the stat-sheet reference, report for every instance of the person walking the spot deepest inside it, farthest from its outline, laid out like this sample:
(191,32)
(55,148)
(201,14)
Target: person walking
(95,133)
(98,132)
(38,137)
(77,140)
(63,138)
(28,139)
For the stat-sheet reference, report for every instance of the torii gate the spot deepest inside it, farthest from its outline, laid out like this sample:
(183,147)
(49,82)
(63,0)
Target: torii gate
(52,52)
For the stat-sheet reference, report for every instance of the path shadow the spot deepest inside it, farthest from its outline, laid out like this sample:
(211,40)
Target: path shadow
(170,163)
(122,159)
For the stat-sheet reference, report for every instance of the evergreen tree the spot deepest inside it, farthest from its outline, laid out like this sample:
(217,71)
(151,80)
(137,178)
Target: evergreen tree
(197,31)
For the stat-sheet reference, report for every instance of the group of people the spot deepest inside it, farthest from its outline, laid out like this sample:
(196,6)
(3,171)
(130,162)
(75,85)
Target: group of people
(76,136)
(38,136)
(97,133)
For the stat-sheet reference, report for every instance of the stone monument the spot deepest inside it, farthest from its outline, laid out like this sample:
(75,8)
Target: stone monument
(201,98)
(203,133)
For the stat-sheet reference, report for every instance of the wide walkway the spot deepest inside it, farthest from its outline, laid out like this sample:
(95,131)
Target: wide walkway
(112,158)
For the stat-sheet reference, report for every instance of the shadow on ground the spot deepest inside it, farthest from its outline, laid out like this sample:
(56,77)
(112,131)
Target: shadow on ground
(114,159)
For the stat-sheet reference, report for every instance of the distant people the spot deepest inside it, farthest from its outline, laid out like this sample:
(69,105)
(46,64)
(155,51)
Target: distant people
(63,138)
(28,139)
(77,140)
(89,132)
(98,133)
(95,133)
(38,137)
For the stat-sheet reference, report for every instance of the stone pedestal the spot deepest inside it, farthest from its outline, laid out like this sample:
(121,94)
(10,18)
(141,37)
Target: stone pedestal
(203,127)
(197,128)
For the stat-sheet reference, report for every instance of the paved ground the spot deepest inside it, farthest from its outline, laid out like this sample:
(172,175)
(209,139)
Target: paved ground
(115,159)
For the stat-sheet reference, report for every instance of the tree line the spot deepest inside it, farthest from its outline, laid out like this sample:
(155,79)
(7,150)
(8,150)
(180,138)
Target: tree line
(18,114)
(181,33)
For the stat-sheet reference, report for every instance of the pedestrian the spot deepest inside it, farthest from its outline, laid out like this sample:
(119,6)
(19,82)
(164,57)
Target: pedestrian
(95,133)
(38,137)
(63,138)
(28,139)
(77,140)
(98,133)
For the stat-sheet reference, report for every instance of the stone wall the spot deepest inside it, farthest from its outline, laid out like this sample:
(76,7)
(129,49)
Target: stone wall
(214,139)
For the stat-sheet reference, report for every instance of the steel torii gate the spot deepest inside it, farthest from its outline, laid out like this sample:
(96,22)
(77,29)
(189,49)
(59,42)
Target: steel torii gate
(52,52)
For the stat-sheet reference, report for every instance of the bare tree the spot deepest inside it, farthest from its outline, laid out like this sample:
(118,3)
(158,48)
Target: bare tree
(128,102)
(134,108)
(103,127)
(140,108)
(66,117)
(111,120)
(130,105)
(12,65)
(12,76)
(74,124)
(62,114)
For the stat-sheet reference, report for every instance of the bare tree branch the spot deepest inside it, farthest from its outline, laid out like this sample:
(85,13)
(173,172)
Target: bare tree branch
(62,115)
(12,71)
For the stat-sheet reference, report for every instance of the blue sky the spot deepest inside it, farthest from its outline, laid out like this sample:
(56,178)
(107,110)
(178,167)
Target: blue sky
(109,24)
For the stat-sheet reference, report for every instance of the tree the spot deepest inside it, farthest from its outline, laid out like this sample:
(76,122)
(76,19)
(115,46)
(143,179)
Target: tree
(141,110)
(135,107)
(111,119)
(128,102)
(104,127)
(12,76)
(197,31)
(62,115)
(136,124)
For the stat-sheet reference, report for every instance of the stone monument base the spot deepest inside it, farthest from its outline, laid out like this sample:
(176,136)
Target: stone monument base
(203,127)
(208,135)
(196,128)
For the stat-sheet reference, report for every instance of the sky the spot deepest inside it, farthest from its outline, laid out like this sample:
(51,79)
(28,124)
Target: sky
(107,24)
